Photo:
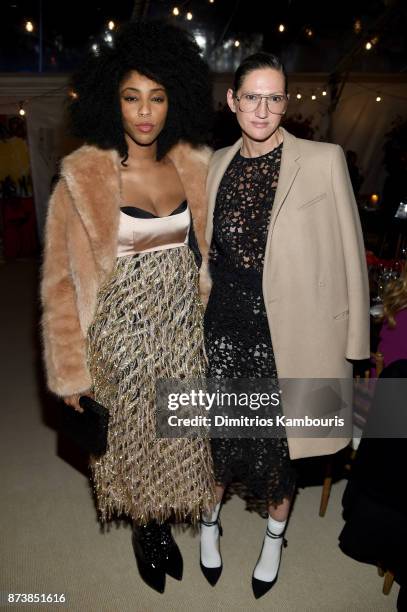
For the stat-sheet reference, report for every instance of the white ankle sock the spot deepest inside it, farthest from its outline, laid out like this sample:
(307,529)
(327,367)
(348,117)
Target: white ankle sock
(267,566)
(210,555)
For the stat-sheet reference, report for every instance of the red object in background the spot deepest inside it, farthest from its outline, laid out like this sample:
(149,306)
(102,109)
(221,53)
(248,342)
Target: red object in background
(19,227)
(372,260)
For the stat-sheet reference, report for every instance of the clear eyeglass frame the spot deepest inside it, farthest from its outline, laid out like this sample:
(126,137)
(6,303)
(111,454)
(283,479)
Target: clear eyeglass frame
(259,98)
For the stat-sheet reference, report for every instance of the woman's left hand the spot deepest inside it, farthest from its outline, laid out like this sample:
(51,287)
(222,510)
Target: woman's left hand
(73,400)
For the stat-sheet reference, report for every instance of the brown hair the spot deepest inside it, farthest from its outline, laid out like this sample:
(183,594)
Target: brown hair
(395,297)
(255,62)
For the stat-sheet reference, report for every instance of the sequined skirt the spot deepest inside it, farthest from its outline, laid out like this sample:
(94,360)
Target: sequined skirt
(148,325)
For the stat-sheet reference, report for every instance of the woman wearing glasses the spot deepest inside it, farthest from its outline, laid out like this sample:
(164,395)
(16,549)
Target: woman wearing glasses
(289,296)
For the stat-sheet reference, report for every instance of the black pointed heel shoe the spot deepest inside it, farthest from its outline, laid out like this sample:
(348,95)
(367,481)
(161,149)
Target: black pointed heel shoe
(173,563)
(261,587)
(148,552)
(212,574)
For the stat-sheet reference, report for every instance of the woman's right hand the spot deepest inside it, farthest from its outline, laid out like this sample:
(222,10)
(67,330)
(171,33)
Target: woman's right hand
(73,400)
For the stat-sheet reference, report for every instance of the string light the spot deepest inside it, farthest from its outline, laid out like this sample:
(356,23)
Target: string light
(313,97)
(62,90)
(324,92)
(374,198)
(175,11)
(21,111)
(378,98)
(73,94)
(111,25)
(368,45)
(309,32)
(95,48)
(189,16)
(237,43)
(376,92)
(50,92)
(281,27)
(29,26)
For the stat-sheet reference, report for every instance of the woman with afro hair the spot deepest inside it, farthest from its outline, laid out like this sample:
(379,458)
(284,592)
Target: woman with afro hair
(120,285)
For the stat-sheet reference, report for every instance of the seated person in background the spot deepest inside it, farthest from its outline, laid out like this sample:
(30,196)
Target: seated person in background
(393,334)
(375,498)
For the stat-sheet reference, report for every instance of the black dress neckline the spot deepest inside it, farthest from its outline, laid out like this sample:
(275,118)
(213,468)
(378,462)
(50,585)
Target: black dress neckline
(259,157)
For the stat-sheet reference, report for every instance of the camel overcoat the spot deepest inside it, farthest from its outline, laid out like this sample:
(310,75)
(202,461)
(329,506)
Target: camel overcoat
(81,248)
(315,283)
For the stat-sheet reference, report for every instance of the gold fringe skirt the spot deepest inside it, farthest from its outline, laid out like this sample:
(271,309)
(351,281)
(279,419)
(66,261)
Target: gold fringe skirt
(148,325)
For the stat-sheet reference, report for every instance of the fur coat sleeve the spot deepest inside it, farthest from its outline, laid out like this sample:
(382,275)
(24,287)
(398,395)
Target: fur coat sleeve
(63,339)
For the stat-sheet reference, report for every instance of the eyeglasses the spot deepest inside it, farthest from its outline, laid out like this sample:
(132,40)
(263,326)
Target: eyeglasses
(276,103)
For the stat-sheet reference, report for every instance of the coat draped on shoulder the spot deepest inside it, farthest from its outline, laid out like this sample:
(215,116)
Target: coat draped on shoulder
(81,248)
(315,284)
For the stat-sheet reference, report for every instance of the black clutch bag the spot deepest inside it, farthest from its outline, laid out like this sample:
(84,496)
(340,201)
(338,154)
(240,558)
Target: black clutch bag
(87,429)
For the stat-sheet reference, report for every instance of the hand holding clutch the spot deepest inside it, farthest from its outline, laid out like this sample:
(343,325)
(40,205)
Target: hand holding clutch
(87,428)
(73,400)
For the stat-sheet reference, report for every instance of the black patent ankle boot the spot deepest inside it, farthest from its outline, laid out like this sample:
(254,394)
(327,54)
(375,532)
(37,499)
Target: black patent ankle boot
(173,563)
(149,555)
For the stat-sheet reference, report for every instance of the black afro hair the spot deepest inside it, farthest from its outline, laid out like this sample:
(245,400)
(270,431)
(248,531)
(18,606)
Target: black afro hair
(161,52)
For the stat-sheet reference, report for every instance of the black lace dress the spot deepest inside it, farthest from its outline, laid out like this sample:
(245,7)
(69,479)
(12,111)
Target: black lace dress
(238,340)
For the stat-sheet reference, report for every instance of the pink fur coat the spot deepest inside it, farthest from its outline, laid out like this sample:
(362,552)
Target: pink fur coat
(80,251)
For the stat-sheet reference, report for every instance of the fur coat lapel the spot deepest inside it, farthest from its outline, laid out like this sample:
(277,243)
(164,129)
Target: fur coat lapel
(93,180)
